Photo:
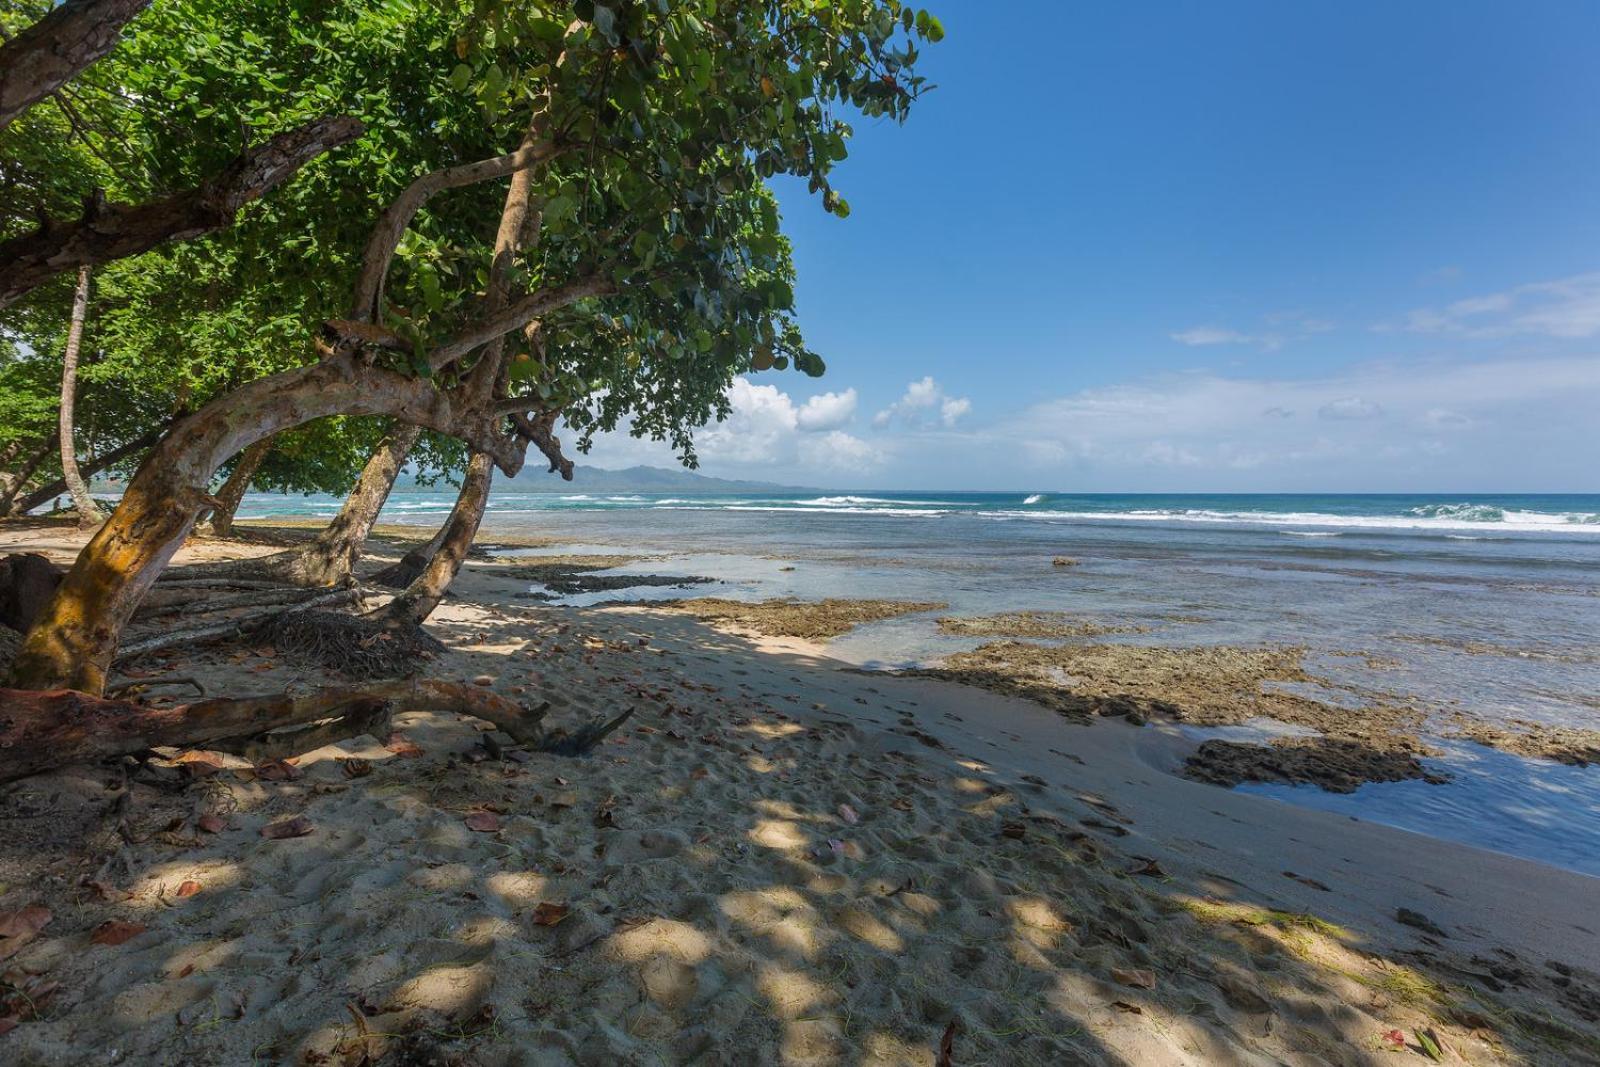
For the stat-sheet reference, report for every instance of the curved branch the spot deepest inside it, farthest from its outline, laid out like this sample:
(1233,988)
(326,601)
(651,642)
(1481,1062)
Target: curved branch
(113,231)
(540,430)
(391,225)
(517,315)
(51,52)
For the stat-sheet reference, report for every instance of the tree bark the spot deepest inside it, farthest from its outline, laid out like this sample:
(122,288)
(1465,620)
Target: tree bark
(41,730)
(331,558)
(12,482)
(114,231)
(106,459)
(422,596)
(416,603)
(51,52)
(238,483)
(72,643)
(89,514)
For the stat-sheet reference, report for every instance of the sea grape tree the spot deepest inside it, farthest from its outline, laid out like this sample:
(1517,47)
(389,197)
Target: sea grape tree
(641,133)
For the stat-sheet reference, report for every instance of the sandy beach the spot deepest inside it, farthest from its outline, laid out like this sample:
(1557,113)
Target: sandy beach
(779,859)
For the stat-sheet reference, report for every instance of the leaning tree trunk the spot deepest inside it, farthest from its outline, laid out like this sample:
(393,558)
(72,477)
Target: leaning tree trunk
(89,514)
(72,643)
(424,593)
(34,497)
(13,482)
(331,558)
(237,485)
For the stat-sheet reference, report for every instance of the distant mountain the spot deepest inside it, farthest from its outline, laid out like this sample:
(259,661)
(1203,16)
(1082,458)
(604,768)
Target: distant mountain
(533,479)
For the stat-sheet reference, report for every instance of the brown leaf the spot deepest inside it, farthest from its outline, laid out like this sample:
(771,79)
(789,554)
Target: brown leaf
(19,927)
(947,1046)
(548,914)
(1123,1005)
(485,822)
(355,768)
(107,892)
(1013,830)
(212,824)
(900,804)
(1137,977)
(278,770)
(403,746)
(115,932)
(299,826)
(188,888)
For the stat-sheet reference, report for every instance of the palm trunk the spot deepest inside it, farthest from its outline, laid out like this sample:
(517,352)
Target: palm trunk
(89,514)
(331,558)
(422,596)
(238,483)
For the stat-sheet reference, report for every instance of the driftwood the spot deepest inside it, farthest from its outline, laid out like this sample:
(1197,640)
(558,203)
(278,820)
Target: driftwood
(43,730)
(229,627)
(205,605)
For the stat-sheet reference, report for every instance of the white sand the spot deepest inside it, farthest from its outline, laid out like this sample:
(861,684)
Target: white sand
(770,865)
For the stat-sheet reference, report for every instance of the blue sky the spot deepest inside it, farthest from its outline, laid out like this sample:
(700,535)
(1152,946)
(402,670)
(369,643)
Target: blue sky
(1206,246)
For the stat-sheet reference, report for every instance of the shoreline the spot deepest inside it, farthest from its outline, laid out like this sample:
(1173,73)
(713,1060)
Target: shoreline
(739,872)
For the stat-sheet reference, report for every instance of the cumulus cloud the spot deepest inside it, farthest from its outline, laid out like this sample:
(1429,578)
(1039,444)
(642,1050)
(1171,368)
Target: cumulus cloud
(827,411)
(1567,308)
(924,404)
(766,434)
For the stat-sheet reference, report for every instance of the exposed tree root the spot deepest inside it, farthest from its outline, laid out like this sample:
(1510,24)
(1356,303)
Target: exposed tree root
(230,627)
(206,604)
(356,646)
(409,569)
(42,730)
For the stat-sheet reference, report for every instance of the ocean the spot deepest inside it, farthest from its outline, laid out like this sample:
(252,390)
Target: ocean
(1488,603)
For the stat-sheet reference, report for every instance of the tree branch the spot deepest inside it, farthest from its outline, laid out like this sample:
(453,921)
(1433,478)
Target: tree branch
(518,315)
(113,231)
(391,225)
(540,430)
(51,52)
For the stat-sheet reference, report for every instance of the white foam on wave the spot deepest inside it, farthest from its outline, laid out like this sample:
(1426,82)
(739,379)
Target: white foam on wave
(1512,522)
(1034,499)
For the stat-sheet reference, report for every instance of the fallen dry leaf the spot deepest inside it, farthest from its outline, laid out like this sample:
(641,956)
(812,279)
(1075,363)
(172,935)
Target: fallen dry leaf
(1123,1005)
(115,932)
(278,770)
(403,746)
(355,768)
(485,822)
(19,927)
(547,914)
(188,888)
(1149,868)
(1137,977)
(212,824)
(1013,830)
(299,826)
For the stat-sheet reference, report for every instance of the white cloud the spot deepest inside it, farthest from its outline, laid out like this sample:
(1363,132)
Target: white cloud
(1285,326)
(827,411)
(1567,308)
(766,435)
(1210,335)
(839,451)
(918,406)
(1438,424)
(1350,407)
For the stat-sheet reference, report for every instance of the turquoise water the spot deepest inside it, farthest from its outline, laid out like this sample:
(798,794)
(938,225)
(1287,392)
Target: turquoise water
(1483,602)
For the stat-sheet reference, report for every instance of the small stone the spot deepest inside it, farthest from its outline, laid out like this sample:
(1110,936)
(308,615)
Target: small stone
(484,680)
(1063,561)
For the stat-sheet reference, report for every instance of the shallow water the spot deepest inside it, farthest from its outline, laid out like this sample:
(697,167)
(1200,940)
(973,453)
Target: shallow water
(1487,603)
